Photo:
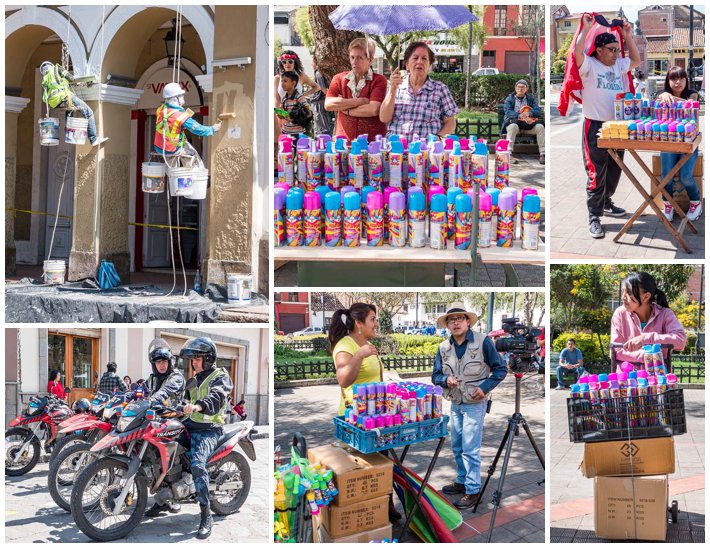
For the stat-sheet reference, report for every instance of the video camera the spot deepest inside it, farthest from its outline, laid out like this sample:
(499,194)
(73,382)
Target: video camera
(521,346)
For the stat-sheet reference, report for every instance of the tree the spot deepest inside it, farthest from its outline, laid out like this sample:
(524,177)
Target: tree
(278,47)
(331,45)
(466,37)
(530,29)
(672,279)
(558,67)
(302,26)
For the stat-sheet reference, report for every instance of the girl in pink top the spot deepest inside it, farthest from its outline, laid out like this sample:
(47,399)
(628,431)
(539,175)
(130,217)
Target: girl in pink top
(643,318)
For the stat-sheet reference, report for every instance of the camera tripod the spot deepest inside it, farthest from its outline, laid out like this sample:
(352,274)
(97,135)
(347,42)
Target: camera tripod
(514,423)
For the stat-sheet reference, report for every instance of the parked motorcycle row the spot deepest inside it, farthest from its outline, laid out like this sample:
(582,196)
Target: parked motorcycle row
(109,454)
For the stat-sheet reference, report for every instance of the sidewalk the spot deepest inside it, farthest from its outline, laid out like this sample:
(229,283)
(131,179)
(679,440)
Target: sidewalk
(32,516)
(571,495)
(521,517)
(647,239)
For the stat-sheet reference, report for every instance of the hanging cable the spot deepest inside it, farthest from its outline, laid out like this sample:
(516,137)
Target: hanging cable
(99,165)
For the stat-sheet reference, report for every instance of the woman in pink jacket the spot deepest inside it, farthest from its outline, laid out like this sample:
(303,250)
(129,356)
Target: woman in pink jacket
(643,318)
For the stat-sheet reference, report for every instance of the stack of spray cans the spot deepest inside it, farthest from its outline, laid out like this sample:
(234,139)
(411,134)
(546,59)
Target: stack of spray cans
(643,121)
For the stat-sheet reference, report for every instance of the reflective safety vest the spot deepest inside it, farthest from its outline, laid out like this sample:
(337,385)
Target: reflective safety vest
(470,370)
(200,392)
(55,88)
(169,135)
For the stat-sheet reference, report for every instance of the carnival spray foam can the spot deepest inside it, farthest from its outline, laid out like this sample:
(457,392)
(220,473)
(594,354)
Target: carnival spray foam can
(302,148)
(448,149)
(456,168)
(398,220)
(494,194)
(311,219)
(363,207)
(502,165)
(664,131)
(417,219)
(387,192)
(322,191)
(433,191)
(506,220)
(415,165)
(279,203)
(629,106)
(294,217)
(619,107)
(531,222)
(375,219)
(637,106)
(352,228)
(463,206)
(672,132)
(375,165)
(479,166)
(437,222)
(436,165)
(466,155)
(314,167)
(520,229)
(632,131)
(396,159)
(485,213)
(356,170)
(333,220)
(451,195)
(331,166)
(648,131)
(285,160)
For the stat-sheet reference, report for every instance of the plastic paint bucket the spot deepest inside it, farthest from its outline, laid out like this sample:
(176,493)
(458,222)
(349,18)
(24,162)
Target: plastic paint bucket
(54,271)
(239,288)
(199,184)
(49,132)
(153,177)
(183,181)
(75,133)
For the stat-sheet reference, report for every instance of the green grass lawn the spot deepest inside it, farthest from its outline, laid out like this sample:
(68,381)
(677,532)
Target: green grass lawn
(476,115)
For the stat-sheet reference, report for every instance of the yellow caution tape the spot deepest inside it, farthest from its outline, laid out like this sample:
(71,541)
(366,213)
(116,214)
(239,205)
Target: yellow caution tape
(165,226)
(36,212)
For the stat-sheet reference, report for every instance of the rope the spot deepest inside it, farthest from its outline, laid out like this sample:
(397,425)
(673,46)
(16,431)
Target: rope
(59,205)
(99,179)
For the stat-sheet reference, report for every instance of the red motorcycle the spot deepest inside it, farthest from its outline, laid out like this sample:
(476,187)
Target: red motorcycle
(110,496)
(33,431)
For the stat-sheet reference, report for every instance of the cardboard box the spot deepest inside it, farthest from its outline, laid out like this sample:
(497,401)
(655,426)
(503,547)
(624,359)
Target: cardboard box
(614,508)
(646,457)
(380,533)
(341,521)
(357,476)
(680,195)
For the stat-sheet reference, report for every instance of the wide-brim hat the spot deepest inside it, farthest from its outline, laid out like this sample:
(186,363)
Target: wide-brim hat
(441,320)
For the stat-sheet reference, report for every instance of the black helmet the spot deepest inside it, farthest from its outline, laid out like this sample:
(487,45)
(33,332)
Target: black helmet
(158,350)
(200,347)
(81,406)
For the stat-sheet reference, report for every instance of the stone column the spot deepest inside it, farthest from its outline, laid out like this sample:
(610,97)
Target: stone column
(13,107)
(100,226)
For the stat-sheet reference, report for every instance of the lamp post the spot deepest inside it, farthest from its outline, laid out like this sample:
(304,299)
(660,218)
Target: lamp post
(170,39)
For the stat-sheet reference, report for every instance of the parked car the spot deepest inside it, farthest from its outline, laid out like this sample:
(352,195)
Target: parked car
(485,71)
(308,331)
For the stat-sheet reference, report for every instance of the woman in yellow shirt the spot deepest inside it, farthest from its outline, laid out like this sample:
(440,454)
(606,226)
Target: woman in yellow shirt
(356,360)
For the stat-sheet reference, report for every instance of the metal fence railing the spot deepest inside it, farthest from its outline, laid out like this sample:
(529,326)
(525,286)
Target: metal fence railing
(323,368)
(483,130)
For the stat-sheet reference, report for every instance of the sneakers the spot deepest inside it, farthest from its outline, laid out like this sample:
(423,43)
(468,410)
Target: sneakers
(559,387)
(542,159)
(454,489)
(595,229)
(610,210)
(668,211)
(695,210)
(98,141)
(467,501)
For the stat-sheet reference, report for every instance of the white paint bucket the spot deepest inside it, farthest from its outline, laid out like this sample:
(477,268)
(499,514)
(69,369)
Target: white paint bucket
(54,272)
(183,180)
(49,132)
(239,288)
(199,185)
(153,177)
(75,133)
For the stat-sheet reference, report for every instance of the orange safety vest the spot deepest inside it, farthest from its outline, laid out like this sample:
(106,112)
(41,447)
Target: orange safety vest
(169,135)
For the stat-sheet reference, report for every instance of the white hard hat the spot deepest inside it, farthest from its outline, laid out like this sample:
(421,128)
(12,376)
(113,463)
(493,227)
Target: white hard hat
(46,65)
(172,89)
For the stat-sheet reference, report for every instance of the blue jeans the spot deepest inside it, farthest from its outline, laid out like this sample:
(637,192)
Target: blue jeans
(202,443)
(561,371)
(466,437)
(86,112)
(668,160)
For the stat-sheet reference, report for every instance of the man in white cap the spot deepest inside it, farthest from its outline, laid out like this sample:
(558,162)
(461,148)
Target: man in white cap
(524,115)
(468,367)
(171,121)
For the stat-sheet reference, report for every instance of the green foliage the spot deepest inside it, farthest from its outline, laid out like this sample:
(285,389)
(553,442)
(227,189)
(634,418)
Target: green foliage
(302,26)
(687,313)
(489,90)
(416,345)
(588,343)
(558,66)
(672,279)
(385,319)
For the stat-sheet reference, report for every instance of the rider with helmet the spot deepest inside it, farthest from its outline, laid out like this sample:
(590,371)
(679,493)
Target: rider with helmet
(165,383)
(171,121)
(208,392)
(81,406)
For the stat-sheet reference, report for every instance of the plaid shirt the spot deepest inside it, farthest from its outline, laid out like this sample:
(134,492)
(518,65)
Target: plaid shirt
(421,113)
(109,381)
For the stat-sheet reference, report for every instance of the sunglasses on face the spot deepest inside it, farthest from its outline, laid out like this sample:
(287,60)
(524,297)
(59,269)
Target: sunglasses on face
(613,51)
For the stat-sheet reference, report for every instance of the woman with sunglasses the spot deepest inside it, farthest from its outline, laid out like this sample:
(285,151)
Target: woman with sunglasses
(677,88)
(289,61)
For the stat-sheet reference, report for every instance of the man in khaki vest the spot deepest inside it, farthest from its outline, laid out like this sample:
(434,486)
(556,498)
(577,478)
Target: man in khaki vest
(468,367)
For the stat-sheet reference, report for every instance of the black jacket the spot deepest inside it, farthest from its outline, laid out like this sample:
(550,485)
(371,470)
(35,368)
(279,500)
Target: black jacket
(171,388)
(219,390)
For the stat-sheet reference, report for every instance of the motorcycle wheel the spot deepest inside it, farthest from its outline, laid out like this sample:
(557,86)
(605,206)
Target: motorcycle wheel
(236,469)
(94,491)
(63,442)
(14,439)
(65,468)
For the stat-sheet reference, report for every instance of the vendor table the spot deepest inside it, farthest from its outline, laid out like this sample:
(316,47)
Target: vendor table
(657,186)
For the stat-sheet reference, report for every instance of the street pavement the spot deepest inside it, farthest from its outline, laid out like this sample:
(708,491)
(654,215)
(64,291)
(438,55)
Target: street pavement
(648,238)
(521,517)
(572,496)
(32,516)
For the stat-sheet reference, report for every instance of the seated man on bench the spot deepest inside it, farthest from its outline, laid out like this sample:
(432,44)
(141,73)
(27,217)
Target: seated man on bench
(523,115)
(570,361)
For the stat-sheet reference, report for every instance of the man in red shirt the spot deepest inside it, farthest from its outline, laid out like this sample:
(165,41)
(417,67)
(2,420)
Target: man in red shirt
(356,95)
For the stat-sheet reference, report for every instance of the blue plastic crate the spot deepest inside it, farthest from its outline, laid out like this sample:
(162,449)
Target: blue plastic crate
(381,439)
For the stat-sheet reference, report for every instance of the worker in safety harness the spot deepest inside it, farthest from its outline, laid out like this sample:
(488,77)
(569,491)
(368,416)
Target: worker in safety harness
(208,392)
(171,121)
(57,94)
(467,366)
(165,384)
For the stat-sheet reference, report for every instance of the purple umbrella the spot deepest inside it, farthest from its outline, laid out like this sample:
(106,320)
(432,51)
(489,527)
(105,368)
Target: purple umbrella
(388,20)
